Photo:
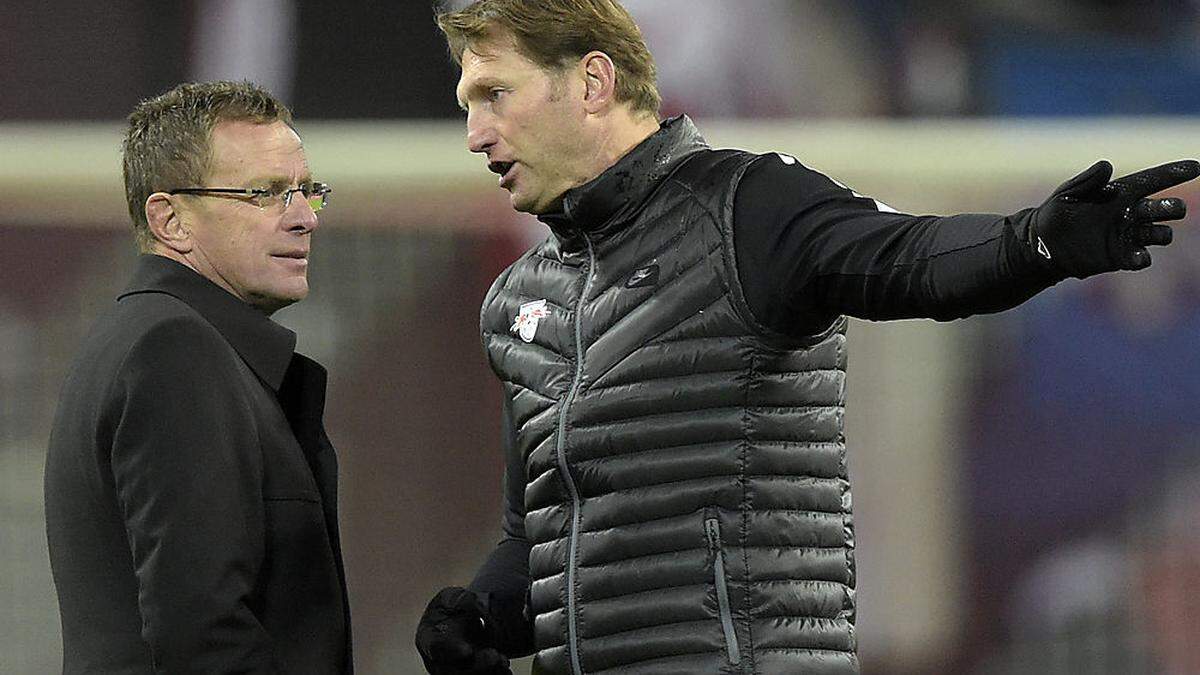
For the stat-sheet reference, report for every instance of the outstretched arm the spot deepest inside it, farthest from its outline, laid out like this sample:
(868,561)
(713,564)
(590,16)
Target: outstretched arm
(809,249)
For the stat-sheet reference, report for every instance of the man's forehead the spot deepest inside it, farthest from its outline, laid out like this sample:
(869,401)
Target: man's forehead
(494,45)
(483,58)
(275,135)
(494,58)
(483,53)
(253,149)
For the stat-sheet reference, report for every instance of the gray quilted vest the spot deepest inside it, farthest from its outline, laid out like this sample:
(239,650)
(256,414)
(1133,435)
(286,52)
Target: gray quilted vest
(686,492)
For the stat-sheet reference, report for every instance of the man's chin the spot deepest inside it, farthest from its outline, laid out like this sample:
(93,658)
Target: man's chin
(271,303)
(533,207)
(523,205)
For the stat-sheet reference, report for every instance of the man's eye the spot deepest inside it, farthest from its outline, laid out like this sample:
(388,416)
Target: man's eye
(496,93)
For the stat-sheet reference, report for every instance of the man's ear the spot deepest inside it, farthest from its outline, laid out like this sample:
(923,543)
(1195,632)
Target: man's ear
(600,76)
(166,224)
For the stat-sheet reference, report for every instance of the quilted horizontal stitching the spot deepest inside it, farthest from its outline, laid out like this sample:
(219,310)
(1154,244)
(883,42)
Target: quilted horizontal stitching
(509,337)
(807,650)
(521,426)
(640,522)
(675,516)
(833,406)
(703,622)
(781,580)
(705,584)
(806,617)
(646,380)
(647,591)
(727,548)
(803,512)
(533,579)
(815,445)
(639,666)
(785,547)
(656,554)
(834,480)
(549,507)
(535,392)
(675,342)
(693,411)
(670,448)
(805,371)
(800,445)
(793,581)
(640,418)
(757,615)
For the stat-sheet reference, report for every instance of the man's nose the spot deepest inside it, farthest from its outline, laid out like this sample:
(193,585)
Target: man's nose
(481,136)
(300,215)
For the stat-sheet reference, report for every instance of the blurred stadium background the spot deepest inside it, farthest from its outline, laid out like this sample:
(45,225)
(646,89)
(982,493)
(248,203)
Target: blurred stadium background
(1027,485)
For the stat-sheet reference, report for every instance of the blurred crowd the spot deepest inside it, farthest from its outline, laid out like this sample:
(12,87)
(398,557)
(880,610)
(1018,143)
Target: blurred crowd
(766,58)
(776,58)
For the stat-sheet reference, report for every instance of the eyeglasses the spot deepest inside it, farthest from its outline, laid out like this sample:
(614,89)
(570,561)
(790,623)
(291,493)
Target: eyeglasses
(316,194)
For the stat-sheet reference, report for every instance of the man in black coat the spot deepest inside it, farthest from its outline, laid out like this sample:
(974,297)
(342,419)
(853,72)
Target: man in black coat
(191,491)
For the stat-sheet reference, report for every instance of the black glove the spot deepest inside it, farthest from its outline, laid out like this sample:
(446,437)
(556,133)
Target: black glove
(1090,225)
(456,636)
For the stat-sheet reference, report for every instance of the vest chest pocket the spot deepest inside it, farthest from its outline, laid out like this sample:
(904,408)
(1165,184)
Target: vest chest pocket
(712,532)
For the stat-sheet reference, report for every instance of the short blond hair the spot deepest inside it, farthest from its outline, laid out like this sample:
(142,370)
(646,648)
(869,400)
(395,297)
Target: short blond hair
(168,144)
(553,33)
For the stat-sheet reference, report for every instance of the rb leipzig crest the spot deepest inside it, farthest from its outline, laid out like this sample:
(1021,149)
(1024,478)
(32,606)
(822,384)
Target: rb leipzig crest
(526,323)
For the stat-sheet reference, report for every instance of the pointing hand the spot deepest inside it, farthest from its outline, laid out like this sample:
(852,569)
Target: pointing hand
(1091,225)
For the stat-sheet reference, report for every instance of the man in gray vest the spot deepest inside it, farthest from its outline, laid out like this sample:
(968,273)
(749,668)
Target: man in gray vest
(673,358)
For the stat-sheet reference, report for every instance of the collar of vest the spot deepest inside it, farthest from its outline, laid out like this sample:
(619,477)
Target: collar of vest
(599,206)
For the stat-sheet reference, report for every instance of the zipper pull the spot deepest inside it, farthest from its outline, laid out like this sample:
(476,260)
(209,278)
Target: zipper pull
(712,530)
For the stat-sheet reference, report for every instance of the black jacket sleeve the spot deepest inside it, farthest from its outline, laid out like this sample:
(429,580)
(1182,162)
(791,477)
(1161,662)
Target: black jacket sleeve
(809,249)
(188,475)
(503,580)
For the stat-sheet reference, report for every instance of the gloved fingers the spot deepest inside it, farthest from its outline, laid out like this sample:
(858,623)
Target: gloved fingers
(490,662)
(1088,185)
(1150,181)
(1136,259)
(1157,210)
(455,599)
(450,651)
(1150,235)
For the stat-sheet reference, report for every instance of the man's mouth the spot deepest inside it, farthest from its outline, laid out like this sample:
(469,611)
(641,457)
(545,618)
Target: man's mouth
(501,168)
(292,255)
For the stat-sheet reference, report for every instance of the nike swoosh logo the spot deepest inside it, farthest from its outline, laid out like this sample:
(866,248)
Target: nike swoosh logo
(646,276)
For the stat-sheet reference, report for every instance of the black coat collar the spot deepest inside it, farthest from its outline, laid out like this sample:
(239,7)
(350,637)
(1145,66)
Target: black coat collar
(263,344)
(594,207)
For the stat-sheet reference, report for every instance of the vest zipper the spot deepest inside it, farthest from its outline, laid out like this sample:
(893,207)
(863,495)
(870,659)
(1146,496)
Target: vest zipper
(565,470)
(712,529)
